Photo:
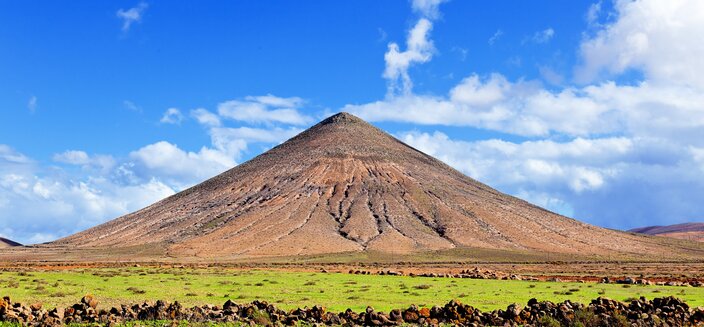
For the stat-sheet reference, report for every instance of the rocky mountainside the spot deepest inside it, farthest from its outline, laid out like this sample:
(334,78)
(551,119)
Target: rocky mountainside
(686,231)
(5,243)
(345,186)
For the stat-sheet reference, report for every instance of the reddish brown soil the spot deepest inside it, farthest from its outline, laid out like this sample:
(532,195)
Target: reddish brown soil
(344,186)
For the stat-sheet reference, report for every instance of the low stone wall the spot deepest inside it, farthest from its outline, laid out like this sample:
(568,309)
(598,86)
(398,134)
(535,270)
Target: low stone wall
(668,311)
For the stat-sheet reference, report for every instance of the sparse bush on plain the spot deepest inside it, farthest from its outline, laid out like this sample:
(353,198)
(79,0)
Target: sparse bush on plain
(547,321)
(585,318)
(135,290)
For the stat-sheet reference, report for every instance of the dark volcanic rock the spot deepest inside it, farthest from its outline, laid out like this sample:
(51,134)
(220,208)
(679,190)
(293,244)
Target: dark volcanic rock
(667,311)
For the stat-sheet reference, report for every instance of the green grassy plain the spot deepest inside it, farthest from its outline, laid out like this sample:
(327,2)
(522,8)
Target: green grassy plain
(286,289)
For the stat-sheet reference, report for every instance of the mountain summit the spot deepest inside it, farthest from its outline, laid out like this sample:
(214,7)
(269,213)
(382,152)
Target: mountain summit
(344,185)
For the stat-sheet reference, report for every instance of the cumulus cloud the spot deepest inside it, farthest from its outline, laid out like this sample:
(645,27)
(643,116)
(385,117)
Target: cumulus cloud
(205,117)
(527,109)
(427,8)
(103,163)
(8,156)
(593,13)
(611,181)
(604,151)
(220,135)
(172,116)
(419,49)
(59,200)
(54,204)
(265,109)
(178,167)
(658,38)
(72,157)
(493,102)
(131,15)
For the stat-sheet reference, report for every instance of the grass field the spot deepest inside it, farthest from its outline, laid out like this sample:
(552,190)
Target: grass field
(336,291)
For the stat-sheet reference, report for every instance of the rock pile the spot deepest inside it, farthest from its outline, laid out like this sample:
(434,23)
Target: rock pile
(643,281)
(668,311)
(475,273)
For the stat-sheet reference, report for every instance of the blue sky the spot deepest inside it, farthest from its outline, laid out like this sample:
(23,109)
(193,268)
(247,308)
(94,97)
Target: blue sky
(593,109)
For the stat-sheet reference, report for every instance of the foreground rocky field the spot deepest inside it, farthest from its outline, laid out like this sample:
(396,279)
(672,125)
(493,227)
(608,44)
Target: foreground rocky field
(337,290)
(667,311)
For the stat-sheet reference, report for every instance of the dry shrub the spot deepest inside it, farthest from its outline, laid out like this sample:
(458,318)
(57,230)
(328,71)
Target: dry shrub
(135,290)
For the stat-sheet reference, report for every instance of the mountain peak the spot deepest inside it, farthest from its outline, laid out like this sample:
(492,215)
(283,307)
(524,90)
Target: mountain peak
(342,118)
(344,185)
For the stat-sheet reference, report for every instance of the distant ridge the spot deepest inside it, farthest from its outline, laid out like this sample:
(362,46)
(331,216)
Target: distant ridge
(5,243)
(344,185)
(686,231)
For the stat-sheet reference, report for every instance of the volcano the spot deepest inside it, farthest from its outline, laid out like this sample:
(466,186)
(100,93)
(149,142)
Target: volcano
(344,185)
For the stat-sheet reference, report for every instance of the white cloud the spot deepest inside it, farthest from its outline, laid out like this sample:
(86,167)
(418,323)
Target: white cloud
(611,181)
(593,13)
(659,38)
(623,149)
(178,167)
(265,109)
(419,49)
(495,37)
(32,104)
(59,200)
(72,157)
(543,36)
(575,164)
(525,108)
(10,156)
(81,158)
(132,15)
(427,8)
(172,116)
(550,75)
(472,91)
(249,134)
(52,204)
(205,117)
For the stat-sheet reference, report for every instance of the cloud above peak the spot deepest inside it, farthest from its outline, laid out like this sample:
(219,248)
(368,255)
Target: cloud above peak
(427,8)
(267,109)
(419,49)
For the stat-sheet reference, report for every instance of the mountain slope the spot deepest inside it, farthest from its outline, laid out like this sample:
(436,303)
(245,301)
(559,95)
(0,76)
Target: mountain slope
(344,185)
(5,243)
(686,231)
